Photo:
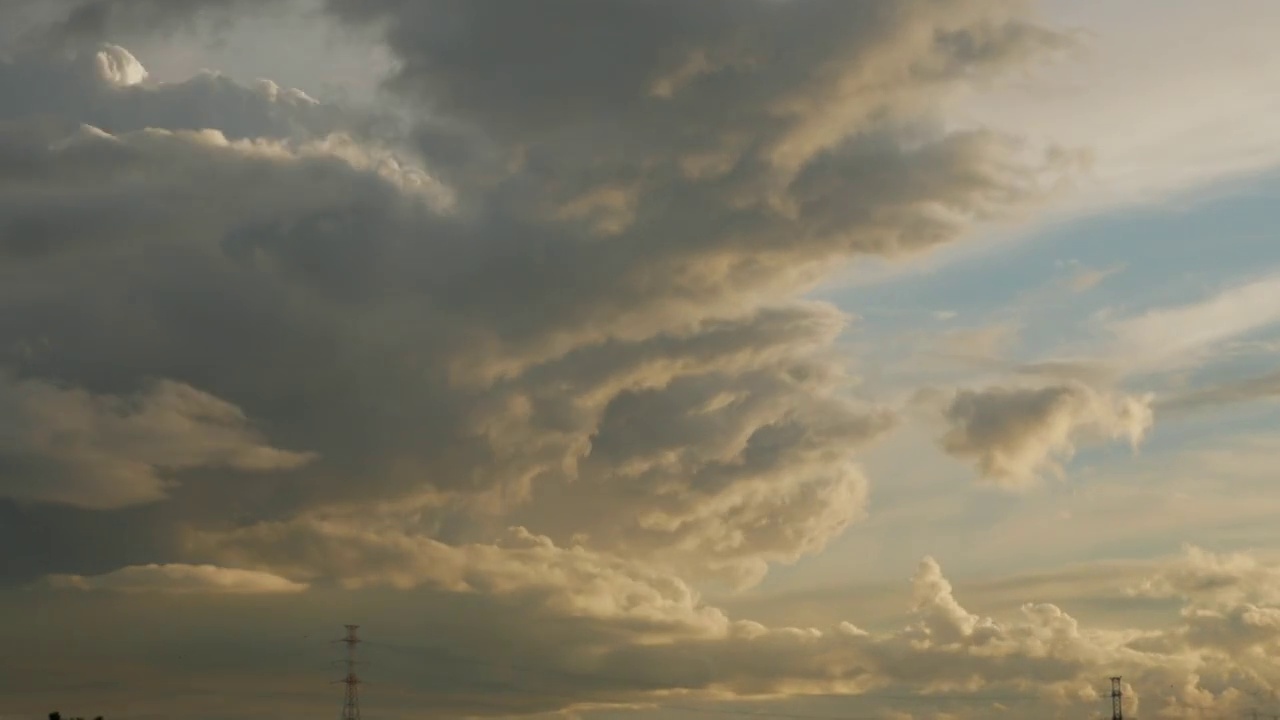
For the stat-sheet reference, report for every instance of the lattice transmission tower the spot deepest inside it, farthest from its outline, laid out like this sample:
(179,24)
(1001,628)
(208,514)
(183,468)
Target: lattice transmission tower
(351,699)
(1117,699)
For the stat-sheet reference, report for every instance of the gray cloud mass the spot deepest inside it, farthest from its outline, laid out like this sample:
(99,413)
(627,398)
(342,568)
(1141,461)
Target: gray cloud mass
(1015,434)
(67,446)
(495,352)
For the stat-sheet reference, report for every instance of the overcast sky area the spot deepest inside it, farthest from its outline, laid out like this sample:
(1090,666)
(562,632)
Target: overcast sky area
(640,359)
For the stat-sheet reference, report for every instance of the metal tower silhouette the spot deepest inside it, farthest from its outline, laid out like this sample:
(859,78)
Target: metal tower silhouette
(1117,698)
(351,701)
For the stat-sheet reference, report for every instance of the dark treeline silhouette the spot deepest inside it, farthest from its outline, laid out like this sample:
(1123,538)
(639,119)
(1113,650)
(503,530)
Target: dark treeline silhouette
(55,715)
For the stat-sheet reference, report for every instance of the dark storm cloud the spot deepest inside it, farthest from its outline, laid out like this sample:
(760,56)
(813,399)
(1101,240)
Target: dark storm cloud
(535,71)
(598,340)
(87,22)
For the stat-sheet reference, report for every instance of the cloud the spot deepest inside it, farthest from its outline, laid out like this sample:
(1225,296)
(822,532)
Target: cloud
(1258,387)
(572,582)
(1231,601)
(1146,145)
(107,87)
(1129,107)
(988,343)
(1160,341)
(179,579)
(1013,434)
(78,22)
(585,322)
(641,638)
(69,446)
(526,377)
(1168,339)
(944,648)
(1087,278)
(1216,579)
(1183,335)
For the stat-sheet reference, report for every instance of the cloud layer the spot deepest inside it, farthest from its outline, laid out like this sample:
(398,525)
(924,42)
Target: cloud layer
(596,630)
(203,579)
(538,356)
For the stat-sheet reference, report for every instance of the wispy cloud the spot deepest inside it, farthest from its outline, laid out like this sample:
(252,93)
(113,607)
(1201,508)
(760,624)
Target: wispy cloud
(1087,278)
(1249,389)
(1180,336)
(1124,97)
(179,578)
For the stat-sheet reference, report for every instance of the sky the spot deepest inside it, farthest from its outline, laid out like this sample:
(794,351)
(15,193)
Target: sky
(639,359)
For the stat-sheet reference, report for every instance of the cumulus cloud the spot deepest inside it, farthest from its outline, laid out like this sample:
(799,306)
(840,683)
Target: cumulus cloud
(600,631)
(107,87)
(1013,434)
(94,451)
(179,578)
(1224,579)
(1045,654)
(1231,603)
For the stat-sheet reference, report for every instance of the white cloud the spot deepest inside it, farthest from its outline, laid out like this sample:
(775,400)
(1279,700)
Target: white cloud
(1163,341)
(179,578)
(118,67)
(107,86)
(570,582)
(1180,336)
(1164,104)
